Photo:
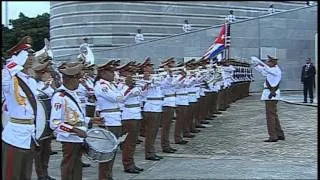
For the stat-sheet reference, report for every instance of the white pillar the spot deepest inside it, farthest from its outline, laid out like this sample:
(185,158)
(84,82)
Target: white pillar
(316,66)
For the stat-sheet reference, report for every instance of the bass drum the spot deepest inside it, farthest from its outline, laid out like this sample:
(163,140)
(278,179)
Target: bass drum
(5,115)
(43,130)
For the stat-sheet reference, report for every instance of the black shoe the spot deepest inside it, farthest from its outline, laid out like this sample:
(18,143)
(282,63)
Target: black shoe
(304,101)
(139,169)
(160,157)
(222,109)
(182,142)
(281,138)
(200,126)
(271,140)
(204,122)
(218,112)
(85,164)
(132,171)
(49,178)
(172,149)
(214,116)
(153,158)
(195,131)
(53,153)
(168,151)
(311,101)
(189,136)
(138,142)
(209,118)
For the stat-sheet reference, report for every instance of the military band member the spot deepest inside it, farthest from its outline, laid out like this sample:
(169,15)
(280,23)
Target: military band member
(147,62)
(42,154)
(190,82)
(69,122)
(182,105)
(271,95)
(152,113)
(202,98)
(18,136)
(169,105)
(131,115)
(108,98)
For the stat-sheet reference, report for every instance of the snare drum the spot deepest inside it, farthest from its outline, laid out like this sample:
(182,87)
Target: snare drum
(5,114)
(43,130)
(102,145)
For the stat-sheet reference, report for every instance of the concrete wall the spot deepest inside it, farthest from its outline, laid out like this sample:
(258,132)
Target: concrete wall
(291,33)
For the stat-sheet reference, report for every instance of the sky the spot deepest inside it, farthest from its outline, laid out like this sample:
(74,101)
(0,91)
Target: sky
(28,8)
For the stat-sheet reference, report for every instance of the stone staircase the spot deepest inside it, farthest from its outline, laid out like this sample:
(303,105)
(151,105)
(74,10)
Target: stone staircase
(113,24)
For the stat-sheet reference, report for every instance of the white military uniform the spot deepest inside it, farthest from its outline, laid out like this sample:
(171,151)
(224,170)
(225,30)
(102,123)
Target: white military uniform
(138,38)
(19,135)
(231,18)
(65,113)
(192,91)
(153,97)
(186,27)
(108,95)
(131,103)
(48,91)
(168,91)
(273,75)
(181,91)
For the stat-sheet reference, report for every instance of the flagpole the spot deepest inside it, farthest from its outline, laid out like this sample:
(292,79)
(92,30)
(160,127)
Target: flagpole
(225,42)
(6,11)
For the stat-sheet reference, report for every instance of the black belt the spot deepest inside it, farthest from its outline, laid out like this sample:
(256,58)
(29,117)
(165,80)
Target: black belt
(131,105)
(110,110)
(184,94)
(170,95)
(155,99)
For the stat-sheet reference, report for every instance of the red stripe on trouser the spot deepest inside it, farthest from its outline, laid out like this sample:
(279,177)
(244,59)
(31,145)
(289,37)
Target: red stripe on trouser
(9,162)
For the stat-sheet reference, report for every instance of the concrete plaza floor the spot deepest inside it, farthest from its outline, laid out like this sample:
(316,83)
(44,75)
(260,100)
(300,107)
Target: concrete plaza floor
(231,147)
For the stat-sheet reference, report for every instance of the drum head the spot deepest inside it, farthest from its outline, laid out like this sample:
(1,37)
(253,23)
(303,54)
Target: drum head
(40,121)
(5,115)
(101,140)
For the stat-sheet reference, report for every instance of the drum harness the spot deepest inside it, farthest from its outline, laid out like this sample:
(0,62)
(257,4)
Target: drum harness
(32,101)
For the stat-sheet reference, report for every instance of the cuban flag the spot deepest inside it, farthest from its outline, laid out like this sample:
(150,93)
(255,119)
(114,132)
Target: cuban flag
(218,45)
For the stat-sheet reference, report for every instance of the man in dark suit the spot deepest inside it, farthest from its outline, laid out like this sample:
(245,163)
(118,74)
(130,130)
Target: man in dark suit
(307,78)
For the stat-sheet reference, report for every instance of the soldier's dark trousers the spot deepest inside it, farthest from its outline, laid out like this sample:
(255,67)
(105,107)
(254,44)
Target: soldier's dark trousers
(105,169)
(129,145)
(152,128)
(192,124)
(180,113)
(214,102)
(273,123)
(202,111)
(71,166)
(196,114)
(166,125)
(42,156)
(187,120)
(308,88)
(16,162)
(142,125)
